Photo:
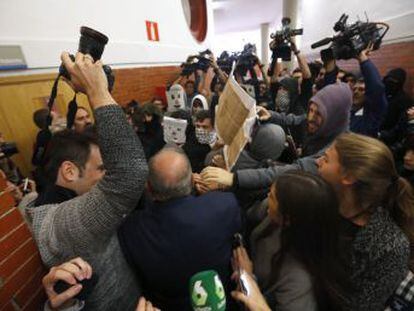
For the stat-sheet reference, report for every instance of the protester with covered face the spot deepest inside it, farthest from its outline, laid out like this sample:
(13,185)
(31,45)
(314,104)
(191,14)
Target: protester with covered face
(293,94)
(201,140)
(398,100)
(397,120)
(147,121)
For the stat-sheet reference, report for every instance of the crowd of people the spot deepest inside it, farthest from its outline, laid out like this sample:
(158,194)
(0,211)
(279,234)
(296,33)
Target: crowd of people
(136,202)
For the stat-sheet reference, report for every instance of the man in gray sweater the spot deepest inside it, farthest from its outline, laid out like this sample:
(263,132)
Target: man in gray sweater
(86,225)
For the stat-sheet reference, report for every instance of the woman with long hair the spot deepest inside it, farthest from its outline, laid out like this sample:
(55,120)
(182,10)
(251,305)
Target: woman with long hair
(295,250)
(377,208)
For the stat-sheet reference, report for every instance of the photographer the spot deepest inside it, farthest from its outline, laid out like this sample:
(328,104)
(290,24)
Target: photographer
(369,101)
(289,98)
(85,223)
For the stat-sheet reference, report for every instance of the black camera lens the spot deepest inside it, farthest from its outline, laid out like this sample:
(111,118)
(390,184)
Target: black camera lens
(92,42)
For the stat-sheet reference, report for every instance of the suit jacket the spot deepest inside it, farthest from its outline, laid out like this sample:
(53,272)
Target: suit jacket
(168,242)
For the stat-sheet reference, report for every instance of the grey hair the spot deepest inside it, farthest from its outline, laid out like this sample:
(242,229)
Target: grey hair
(161,189)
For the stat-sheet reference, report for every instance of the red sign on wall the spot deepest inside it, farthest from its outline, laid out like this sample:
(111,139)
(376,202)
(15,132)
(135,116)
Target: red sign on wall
(152,31)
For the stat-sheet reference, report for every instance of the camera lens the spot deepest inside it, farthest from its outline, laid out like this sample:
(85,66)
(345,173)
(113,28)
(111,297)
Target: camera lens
(92,42)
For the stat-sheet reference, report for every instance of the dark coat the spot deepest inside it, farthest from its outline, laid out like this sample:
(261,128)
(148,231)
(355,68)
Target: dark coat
(169,242)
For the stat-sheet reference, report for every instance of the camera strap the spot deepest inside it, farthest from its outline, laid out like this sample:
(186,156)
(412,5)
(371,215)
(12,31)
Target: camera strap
(52,98)
(72,109)
(44,136)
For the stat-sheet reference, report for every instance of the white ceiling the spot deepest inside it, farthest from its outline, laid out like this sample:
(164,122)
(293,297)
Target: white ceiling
(231,16)
(243,15)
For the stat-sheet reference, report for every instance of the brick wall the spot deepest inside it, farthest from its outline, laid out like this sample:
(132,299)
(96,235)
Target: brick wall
(140,83)
(388,57)
(21,269)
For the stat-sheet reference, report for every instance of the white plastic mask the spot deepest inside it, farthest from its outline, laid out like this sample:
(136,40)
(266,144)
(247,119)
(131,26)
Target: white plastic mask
(176,98)
(174,130)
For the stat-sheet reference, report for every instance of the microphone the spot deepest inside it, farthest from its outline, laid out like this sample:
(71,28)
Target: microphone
(321,43)
(207,292)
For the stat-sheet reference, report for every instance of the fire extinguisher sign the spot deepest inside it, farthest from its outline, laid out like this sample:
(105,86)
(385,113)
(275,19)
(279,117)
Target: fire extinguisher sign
(152,31)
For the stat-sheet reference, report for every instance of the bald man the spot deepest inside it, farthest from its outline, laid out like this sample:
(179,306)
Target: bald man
(178,234)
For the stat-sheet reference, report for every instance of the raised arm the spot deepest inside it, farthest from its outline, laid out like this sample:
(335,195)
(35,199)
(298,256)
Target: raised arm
(82,222)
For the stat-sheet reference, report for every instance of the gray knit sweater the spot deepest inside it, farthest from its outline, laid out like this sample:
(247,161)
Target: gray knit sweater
(86,225)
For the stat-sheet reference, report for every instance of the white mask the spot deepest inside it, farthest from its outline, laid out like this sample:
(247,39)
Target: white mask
(174,130)
(205,137)
(176,98)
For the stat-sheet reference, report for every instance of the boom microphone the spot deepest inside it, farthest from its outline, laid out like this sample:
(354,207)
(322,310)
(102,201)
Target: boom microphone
(321,43)
(207,292)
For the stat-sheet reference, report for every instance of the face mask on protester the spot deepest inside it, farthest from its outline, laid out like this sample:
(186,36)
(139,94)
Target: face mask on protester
(205,137)
(282,101)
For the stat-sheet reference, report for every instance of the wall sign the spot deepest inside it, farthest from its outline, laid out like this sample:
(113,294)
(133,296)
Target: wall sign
(152,31)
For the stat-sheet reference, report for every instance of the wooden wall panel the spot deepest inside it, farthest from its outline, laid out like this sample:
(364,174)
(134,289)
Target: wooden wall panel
(20,96)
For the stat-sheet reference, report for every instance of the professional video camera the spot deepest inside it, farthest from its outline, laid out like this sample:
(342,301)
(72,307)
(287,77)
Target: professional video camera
(352,39)
(7,149)
(247,59)
(226,60)
(196,62)
(280,44)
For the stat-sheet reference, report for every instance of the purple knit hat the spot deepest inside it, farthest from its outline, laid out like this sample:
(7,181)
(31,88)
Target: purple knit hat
(334,104)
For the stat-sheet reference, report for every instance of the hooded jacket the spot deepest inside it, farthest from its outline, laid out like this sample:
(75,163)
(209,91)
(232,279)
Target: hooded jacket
(203,101)
(268,143)
(334,103)
(398,100)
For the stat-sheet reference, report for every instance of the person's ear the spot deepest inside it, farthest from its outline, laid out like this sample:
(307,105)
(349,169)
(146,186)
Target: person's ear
(348,179)
(69,171)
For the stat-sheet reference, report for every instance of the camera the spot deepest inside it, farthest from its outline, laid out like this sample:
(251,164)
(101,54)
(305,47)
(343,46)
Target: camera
(225,61)
(280,44)
(93,43)
(8,149)
(351,39)
(247,59)
(202,61)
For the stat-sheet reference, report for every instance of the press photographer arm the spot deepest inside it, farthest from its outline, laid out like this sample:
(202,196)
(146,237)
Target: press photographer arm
(375,103)
(221,74)
(96,214)
(302,62)
(89,78)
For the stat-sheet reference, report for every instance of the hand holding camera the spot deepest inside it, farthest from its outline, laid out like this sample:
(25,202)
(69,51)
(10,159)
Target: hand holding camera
(88,77)
(363,55)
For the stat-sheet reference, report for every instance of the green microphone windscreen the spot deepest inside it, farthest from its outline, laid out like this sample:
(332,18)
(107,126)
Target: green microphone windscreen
(207,292)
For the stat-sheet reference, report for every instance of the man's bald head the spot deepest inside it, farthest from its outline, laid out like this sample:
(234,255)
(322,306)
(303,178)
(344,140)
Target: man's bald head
(169,174)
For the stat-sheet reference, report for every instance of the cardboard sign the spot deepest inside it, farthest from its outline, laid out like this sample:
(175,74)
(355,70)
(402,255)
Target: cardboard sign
(235,117)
